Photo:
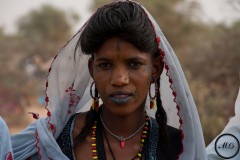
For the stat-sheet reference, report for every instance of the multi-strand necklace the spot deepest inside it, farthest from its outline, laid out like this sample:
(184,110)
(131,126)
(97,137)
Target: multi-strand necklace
(121,139)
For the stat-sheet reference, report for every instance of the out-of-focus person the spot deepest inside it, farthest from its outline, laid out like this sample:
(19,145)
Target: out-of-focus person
(226,144)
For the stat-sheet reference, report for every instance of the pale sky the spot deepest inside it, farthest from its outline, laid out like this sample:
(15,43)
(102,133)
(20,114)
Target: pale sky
(221,10)
(11,10)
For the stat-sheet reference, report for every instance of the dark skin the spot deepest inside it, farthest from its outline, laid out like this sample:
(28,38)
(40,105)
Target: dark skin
(122,74)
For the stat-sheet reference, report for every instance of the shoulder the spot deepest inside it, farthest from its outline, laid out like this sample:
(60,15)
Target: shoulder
(75,124)
(79,123)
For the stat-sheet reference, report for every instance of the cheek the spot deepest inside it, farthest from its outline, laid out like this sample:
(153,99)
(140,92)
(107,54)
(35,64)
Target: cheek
(101,80)
(147,69)
(142,90)
(143,80)
(101,87)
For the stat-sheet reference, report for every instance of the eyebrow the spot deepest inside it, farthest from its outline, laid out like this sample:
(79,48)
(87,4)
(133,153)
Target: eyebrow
(102,59)
(105,58)
(136,58)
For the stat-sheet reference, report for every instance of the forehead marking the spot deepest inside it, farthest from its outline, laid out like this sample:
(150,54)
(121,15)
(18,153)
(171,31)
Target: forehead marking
(118,46)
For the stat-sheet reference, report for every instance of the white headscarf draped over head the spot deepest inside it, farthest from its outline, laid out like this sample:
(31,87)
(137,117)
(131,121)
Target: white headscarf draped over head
(68,92)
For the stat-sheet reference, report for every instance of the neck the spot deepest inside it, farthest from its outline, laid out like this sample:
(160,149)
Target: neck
(123,125)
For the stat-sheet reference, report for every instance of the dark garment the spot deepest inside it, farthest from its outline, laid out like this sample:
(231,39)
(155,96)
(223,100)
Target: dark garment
(159,151)
(64,139)
(175,145)
(154,149)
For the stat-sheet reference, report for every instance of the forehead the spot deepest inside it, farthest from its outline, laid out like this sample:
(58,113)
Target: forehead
(118,48)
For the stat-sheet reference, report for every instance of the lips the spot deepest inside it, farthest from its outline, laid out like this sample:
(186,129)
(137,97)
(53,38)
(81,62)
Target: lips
(120,97)
(120,94)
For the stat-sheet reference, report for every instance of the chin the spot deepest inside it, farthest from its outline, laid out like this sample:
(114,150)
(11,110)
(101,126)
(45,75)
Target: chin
(123,110)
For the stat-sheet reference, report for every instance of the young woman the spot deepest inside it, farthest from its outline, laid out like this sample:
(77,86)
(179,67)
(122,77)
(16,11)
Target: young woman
(131,66)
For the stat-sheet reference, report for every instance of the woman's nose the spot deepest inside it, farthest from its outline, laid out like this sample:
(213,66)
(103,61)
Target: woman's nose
(120,76)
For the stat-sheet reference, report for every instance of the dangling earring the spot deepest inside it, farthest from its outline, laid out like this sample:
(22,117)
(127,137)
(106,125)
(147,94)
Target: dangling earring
(95,103)
(153,98)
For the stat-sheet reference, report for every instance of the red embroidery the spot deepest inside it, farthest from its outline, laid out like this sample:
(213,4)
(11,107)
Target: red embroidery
(52,127)
(49,114)
(70,89)
(167,68)
(47,99)
(38,148)
(35,115)
(74,99)
(174,93)
(9,156)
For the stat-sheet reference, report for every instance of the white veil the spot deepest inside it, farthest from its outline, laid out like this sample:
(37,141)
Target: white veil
(68,92)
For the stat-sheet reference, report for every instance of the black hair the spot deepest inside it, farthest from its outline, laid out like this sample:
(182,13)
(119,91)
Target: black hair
(128,21)
(161,118)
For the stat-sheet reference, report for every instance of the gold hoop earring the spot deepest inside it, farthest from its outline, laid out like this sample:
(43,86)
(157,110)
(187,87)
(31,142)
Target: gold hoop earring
(153,98)
(95,103)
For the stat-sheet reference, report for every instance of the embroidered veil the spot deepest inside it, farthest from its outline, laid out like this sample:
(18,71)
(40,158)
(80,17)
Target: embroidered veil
(67,92)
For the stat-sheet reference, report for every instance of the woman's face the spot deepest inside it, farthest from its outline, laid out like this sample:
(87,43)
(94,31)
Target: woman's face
(123,74)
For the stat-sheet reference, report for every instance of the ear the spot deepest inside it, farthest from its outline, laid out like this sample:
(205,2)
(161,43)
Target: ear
(90,66)
(157,68)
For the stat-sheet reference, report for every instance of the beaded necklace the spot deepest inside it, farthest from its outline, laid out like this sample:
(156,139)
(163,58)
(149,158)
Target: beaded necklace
(139,154)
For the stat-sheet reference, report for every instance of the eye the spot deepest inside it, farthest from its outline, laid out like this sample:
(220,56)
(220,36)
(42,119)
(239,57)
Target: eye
(104,65)
(135,64)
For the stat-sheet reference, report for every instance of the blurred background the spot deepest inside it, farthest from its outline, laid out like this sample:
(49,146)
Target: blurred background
(204,34)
